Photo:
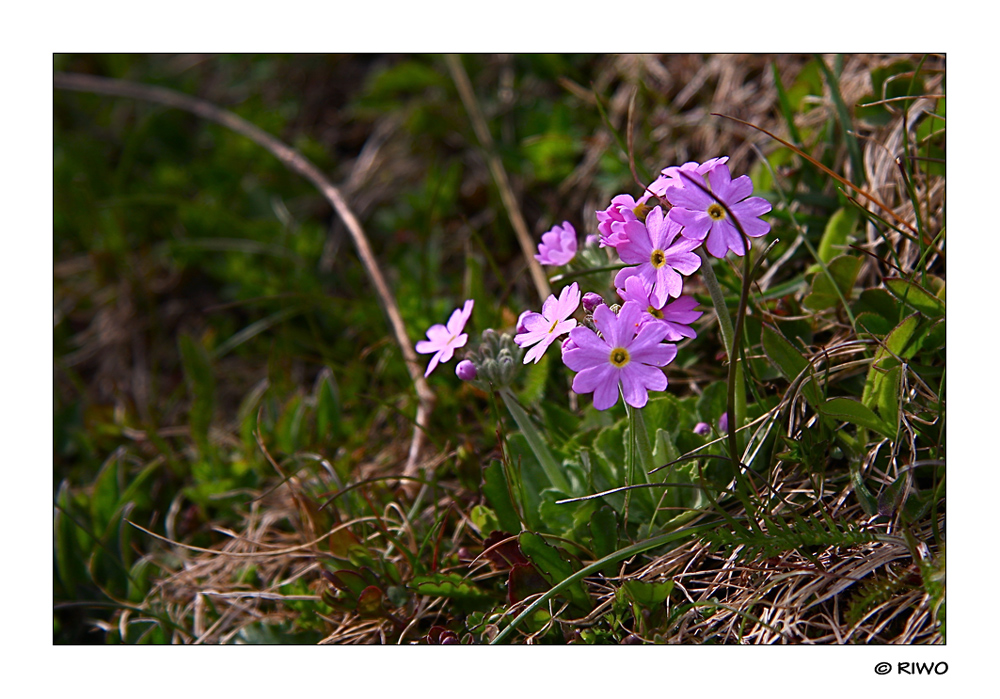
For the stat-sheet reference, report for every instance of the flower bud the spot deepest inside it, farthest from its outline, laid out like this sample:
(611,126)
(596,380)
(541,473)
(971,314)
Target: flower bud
(466,370)
(591,301)
(724,423)
(703,429)
(489,369)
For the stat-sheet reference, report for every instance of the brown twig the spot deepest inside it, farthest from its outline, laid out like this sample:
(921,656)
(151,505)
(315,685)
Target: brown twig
(461,79)
(299,164)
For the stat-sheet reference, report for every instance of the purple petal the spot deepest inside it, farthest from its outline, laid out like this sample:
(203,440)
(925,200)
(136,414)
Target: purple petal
(722,238)
(752,207)
(687,263)
(606,393)
(549,308)
(721,181)
(536,352)
(605,320)
(591,378)
(677,331)
(629,320)
(688,196)
(653,354)
(636,246)
(569,301)
(634,291)
(433,363)
(649,335)
(755,227)
(696,222)
(426,347)
(656,229)
(669,281)
(637,380)
(632,388)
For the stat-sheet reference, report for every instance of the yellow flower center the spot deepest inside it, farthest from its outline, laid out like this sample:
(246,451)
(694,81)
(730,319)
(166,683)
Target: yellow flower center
(657,259)
(655,312)
(554,324)
(619,357)
(716,212)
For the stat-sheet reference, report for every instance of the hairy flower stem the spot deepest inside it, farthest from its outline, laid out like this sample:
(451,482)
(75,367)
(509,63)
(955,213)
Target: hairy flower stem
(736,401)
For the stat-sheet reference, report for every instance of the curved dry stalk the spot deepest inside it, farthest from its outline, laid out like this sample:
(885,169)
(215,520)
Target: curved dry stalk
(461,79)
(299,164)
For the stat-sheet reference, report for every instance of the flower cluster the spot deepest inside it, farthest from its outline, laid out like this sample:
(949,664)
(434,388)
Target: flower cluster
(623,348)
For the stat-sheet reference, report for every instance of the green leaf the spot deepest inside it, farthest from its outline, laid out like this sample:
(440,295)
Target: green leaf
(69,563)
(451,585)
(789,361)
(327,406)
(104,500)
(887,396)
(648,595)
(838,230)
(555,566)
(868,503)
(712,402)
(874,324)
(895,345)
(916,297)
(484,519)
(535,377)
(881,302)
(498,496)
(604,534)
(201,385)
(892,497)
(823,294)
(857,413)
(536,441)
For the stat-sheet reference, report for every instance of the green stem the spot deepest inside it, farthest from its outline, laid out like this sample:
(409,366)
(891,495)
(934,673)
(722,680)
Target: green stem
(536,442)
(737,399)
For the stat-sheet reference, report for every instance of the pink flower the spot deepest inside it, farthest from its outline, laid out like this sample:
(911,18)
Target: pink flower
(444,340)
(676,315)
(541,329)
(624,355)
(671,176)
(702,215)
(661,257)
(558,245)
(622,209)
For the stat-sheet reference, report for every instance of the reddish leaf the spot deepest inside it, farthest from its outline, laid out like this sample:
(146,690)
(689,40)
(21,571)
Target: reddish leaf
(370,602)
(503,555)
(524,580)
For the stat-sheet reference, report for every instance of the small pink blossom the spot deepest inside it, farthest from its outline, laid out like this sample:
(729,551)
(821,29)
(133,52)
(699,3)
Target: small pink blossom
(541,329)
(677,315)
(662,255)
(622,209)
(671,176)
(443,340)
(558,245)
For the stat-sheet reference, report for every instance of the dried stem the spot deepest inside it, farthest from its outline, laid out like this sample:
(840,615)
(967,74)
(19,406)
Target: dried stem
(461,79)
(299,164)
